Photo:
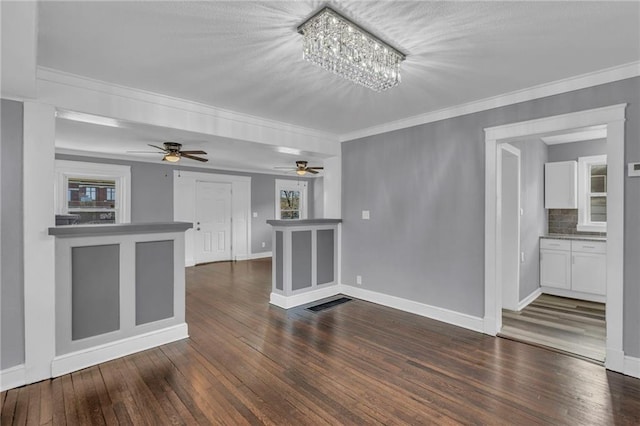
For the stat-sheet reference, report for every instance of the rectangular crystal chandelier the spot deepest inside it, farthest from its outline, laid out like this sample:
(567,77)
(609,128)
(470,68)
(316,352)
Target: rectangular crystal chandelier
(338,45)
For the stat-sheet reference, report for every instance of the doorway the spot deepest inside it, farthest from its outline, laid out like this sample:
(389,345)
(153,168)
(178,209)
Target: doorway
(613,118)
(213,222)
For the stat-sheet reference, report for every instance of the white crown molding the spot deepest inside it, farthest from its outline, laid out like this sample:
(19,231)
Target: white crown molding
(45,74)
(570,84)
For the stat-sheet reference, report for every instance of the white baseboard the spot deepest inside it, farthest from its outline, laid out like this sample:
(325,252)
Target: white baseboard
(87,357)
(574,294)
(614,360)
(288,302)
(13,377)
(440,314)
(530,298)
(632,366)
(261,255)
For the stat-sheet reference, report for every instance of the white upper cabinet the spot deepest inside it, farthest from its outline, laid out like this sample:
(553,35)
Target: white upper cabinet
(560,185)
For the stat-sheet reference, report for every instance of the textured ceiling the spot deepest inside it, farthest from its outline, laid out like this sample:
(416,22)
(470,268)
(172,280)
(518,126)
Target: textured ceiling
(246,56)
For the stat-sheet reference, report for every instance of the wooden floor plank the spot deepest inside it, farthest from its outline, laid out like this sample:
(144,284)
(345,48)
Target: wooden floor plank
(569,325)
(247,362)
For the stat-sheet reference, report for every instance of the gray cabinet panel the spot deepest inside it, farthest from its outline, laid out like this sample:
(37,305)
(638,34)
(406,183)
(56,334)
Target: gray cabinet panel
(325,249)
(95,290)
(300,259)
(154,281)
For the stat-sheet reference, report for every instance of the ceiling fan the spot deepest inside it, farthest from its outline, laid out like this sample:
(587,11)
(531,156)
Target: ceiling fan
(302,169)
(173,152)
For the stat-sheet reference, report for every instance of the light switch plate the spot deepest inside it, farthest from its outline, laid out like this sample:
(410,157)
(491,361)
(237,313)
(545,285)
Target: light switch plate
(255,214)
(634,169)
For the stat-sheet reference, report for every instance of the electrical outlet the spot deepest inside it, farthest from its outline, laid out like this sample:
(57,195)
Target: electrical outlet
(359,279)
(264,244)
(255,214)
(366,215)
(522,257)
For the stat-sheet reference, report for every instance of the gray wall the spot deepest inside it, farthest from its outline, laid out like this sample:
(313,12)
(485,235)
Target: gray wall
(425,188)
(152,195)
(571,151)
(11,250)
(533,222)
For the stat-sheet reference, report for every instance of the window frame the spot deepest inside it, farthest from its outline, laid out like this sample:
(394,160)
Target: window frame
(585,224)
(66,170)
(291,185)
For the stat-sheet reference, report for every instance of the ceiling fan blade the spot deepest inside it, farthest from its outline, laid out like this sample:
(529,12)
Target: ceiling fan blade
(191,157)
(193,152)
(315,168)
(310,170)
(156,146)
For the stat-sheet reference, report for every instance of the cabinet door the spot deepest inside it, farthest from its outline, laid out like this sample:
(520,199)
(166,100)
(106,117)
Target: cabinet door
(555,268)
(589,273)
(560,185)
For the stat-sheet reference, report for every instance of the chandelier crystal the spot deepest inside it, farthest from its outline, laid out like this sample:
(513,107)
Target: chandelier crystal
(338,45)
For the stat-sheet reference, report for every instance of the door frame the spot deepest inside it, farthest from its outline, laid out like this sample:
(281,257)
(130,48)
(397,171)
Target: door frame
(500,196)
(614,118)
(184,209)
(228,185)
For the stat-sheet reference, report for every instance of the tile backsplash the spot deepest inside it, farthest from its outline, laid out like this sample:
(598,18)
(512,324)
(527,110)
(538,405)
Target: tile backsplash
(565,221)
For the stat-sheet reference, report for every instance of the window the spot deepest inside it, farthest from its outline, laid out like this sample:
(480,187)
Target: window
(291,199)
(592,193)
(97,193)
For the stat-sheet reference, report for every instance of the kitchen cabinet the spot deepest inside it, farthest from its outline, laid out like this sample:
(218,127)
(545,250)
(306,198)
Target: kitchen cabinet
(561,185)
(574,268)
(555,263)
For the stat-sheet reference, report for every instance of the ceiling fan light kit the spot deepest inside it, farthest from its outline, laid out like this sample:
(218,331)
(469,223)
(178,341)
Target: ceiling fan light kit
(173,152)
(336,44)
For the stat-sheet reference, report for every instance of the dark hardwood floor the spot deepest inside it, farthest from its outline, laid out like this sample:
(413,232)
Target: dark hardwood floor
(357,363)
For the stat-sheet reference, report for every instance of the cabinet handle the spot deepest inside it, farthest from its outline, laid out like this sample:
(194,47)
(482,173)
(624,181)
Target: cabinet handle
(554,244)
(573,260)
(588,246)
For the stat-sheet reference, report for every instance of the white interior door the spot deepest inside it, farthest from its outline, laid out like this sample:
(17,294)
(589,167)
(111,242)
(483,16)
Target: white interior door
(510,230)
(213,222)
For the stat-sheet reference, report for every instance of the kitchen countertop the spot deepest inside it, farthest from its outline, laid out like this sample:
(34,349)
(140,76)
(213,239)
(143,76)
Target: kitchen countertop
(579,237)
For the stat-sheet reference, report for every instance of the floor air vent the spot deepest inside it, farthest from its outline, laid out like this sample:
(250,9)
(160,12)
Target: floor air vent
(330,304)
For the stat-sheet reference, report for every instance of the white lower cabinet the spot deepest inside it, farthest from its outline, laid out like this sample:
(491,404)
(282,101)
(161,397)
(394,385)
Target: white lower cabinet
(573,268)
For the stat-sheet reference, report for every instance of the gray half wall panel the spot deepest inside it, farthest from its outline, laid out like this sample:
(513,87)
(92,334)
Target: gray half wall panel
(325,255)
(95,290)
(300,260)
(154,281)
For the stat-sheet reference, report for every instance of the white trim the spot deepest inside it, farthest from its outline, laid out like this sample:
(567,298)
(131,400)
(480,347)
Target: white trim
(261,255)
(570,84)
(39,247)
(82,94)
(66,169)
(13,377)
(632,366)
(572,294)
(98,354)
(439,314)
(287,302)
(530,298)
(513,303)
(584,222)
(614,117)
